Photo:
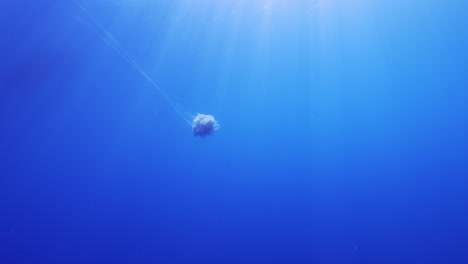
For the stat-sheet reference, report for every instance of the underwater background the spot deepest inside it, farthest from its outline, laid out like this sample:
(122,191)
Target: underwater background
(343,131)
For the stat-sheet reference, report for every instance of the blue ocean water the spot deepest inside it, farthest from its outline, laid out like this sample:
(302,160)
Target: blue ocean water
(343,131)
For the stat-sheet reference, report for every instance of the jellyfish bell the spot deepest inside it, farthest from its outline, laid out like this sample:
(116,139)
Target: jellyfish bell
(204,125)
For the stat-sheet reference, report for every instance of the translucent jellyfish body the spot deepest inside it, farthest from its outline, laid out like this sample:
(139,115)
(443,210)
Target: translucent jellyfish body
(204,125)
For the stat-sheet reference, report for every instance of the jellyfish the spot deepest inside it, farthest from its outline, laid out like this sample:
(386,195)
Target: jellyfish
(202,125)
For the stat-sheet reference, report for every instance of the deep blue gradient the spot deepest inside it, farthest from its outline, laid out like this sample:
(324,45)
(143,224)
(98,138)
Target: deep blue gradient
(343,132)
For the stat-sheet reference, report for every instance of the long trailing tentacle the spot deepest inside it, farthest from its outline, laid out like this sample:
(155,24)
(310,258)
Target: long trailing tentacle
(117,47)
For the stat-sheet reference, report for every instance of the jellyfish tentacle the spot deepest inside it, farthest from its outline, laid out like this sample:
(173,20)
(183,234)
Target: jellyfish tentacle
(120,50)
(202,125)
